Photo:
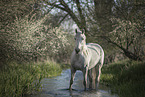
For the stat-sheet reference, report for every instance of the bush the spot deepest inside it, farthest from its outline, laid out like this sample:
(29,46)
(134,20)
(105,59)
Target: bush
(28,39)
(19,79)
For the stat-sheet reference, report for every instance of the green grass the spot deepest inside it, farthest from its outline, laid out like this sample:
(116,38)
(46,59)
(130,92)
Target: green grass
(126,78)
(17,80)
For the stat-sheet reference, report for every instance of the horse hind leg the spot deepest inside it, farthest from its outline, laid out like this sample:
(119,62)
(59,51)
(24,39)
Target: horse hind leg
(92,78)
(98,71)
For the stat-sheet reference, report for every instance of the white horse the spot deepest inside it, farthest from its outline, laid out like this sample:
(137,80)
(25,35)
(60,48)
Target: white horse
(88,58)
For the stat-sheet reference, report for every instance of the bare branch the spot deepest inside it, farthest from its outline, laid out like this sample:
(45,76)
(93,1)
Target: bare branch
(82,18)
(62,20)
(55,5)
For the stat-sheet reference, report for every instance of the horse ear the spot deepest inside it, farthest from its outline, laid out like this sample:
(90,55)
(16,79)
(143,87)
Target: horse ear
(76,31)
(83,31)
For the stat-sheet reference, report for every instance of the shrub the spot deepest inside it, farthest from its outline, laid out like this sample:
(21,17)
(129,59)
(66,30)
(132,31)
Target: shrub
(19,79)
(28,39)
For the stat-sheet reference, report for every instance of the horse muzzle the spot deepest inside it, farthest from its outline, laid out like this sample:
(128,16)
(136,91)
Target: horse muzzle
(77,50)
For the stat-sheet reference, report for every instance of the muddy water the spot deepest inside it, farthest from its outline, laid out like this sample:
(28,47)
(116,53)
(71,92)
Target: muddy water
(58,87)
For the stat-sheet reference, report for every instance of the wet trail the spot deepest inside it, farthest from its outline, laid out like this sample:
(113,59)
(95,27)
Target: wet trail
(58,87)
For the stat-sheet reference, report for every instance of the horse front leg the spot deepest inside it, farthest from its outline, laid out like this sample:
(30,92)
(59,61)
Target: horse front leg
(85,77)
(72,78)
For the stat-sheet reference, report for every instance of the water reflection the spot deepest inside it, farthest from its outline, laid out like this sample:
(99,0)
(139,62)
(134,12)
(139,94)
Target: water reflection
(58,87)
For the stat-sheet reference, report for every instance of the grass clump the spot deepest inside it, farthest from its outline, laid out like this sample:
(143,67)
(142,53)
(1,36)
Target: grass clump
(19,79)
(126,78)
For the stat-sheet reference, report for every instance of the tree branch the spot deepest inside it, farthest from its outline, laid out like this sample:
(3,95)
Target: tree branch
(55,5)
(70,12)
(62,20)
(66,8)
(126,51)
(82,18)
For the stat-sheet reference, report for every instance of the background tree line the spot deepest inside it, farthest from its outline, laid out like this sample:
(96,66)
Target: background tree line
(31,30)
(117,22)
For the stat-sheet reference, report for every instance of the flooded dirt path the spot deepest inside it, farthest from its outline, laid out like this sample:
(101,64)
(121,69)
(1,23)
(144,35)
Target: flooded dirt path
(58,87)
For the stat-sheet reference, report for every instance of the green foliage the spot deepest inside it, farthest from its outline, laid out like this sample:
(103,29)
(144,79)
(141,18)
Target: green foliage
(19,79)
(48,68)
(125,78)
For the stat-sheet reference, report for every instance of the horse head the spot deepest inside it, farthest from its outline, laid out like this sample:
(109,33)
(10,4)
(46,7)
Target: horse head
(80,39)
